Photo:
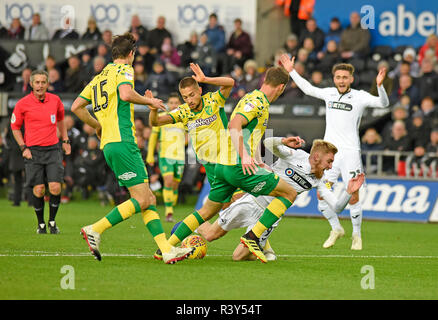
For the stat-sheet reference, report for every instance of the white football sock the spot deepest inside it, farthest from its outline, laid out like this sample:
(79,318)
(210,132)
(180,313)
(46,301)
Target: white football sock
(329,214)
(356,217)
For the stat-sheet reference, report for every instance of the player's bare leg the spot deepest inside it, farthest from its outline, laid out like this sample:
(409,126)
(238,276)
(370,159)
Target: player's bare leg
(211,232)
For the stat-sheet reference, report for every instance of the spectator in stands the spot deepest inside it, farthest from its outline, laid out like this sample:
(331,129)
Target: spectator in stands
(137,28)
(92,33)
(239,47)
(400,112)
(292,45)
(432,150)
(24,86)
(187,48)
(419,130)
(399,140)
(16,30)
(355,41)
(16,168)
(408,60)
(104,52)
(334,33)
(303,57)
(107,38)
(67,32)
(387,81)
(3,32)
(251,77)
(82,139)
(148,59)
(416,160)
(238,90)
(406,87)
(371,141)
(49,63)
(428,82)
(317,79)
(37,30)
(170,57)
(215,33)
(73,75)
(432,45)
(139,77)
(328,58)
(430,111)
(160,82)
(98,64)
(205,55)
(292,91)
(157,35)
(310,47)
(4,161)
(313,31)
(55,83)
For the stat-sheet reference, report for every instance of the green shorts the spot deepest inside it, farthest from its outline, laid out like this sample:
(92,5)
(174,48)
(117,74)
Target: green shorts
(125,161)
(228,178)
(209,172)
(171,166)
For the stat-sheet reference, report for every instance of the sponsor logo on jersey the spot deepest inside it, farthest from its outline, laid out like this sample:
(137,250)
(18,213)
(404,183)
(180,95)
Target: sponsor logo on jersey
(297,178)
(127,176)
(129,76)
(340,105)
(248,107)
(201,122)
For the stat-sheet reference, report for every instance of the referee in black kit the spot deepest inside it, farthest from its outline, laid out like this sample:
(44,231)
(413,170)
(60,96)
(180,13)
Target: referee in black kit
(42,114)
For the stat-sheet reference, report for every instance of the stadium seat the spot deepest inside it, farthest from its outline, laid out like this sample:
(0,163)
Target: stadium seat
(371,64)
(384,51)
(358,64)
(366,77)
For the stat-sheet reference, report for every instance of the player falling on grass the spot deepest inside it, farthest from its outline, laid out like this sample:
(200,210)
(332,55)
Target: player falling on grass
(344,109)
(203,116)
(112,95)
(171,156)
(240,166)
(303,171)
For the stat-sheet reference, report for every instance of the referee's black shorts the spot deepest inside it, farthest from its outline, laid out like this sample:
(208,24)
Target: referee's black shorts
(45,165)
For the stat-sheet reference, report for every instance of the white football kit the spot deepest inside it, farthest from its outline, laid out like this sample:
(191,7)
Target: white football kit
(343,115)
(293,166)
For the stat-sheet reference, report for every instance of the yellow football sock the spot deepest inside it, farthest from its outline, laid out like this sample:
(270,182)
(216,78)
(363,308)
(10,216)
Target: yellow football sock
(153,223)
(122,212)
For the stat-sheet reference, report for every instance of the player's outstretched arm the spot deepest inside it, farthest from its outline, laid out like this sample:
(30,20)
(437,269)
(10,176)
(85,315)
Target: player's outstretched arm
(128,94)
(226,83)
(301,83)
(382,101)
(281,147)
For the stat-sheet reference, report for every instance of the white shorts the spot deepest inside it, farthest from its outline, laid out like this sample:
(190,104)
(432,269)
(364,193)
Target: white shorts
(347,164)
(245,212)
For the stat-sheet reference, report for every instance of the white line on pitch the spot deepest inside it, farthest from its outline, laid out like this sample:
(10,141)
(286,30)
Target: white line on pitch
(61,254)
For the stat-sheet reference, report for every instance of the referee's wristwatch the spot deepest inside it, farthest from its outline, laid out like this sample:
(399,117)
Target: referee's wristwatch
(23,147)
(66,141)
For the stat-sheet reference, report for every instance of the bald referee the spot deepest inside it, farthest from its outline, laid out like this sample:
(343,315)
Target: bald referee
(42,113)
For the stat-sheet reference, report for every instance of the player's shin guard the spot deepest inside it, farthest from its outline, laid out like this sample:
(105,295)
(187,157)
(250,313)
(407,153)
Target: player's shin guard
(272,213)
(356,217)
(152,222)
(329,214)
(122,212)
(188,225)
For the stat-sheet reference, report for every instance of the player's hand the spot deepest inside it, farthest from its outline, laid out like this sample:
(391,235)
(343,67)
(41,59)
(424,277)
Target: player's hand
(355,183)
(287,63)
(199,74)
(249,165)
(264,166)
(156,104)
(293,142)
(381,76)
(67,148)
(27,154)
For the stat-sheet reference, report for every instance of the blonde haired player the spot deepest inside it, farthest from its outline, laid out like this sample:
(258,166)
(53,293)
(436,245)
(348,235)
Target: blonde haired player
(344,109)
(303,171)
(171,156)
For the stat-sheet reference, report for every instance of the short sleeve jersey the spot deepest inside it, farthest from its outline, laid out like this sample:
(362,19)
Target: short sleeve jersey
(115,115)
(254,106)
(206,128)
(172,141)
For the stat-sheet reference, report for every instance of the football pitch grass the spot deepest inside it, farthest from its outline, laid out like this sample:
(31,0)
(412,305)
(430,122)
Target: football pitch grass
(398,261)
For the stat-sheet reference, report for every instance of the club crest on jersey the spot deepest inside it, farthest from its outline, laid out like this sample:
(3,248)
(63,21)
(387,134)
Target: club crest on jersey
(129,76)
(297,178)
(53,118)
(248,107)
(340,105)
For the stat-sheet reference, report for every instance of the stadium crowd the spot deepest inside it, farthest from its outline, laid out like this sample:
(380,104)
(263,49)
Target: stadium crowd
(411,84)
